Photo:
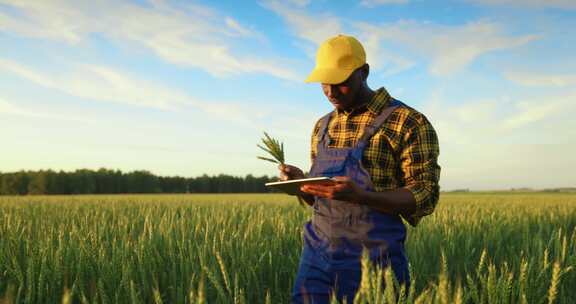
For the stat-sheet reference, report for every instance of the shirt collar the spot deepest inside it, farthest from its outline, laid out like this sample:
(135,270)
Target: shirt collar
(379,101)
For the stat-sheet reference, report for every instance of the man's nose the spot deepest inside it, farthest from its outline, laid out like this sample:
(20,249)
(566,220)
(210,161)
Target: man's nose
(330,90)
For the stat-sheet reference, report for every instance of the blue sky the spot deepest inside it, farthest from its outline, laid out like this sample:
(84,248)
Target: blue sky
(188,87)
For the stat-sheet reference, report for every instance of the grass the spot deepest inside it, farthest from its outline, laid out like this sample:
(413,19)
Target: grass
(476,248)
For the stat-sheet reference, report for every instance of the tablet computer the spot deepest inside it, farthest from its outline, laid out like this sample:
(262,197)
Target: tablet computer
(292,186)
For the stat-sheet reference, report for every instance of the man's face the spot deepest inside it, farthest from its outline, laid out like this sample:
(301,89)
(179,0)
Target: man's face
(343,95)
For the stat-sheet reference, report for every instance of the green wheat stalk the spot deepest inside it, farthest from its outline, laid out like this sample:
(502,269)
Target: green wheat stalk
(273,147)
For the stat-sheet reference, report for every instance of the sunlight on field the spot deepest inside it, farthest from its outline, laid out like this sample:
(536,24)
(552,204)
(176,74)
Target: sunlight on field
(497,247)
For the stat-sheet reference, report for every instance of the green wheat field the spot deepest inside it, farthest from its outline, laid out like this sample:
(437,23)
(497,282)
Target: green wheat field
(475,248)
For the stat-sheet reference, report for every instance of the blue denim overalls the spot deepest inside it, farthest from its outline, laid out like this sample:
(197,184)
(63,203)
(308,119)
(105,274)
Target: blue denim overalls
(335,237)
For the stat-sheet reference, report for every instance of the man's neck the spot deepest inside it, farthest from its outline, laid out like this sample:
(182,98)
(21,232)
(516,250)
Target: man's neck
(366,95)
(363,98)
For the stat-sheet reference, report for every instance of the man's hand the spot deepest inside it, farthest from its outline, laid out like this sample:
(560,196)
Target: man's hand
(344,189)
(288,172)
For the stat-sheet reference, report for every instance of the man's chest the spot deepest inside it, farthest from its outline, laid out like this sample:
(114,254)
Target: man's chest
(382,148)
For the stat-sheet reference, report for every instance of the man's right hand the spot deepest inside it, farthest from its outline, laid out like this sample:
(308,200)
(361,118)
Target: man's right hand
(288,172)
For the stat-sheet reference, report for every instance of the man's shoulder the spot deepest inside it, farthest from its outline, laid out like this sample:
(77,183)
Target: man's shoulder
(406,124)
(324,116)
(407,116)
(319,121)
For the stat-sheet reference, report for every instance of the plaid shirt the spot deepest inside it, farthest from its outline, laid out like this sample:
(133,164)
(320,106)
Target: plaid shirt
(403,153)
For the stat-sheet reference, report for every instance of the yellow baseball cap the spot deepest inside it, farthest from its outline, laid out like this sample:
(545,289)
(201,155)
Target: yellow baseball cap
(336,59)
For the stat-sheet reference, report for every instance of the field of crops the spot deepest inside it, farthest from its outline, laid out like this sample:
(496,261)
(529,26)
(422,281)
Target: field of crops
(476,248)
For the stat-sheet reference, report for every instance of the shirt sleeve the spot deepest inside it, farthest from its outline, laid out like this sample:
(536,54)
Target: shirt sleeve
(419,165)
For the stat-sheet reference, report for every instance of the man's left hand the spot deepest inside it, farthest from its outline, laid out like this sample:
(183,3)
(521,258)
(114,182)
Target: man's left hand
(344,189)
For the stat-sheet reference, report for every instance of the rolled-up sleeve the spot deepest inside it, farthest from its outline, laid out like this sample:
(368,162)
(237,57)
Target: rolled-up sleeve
(419,165)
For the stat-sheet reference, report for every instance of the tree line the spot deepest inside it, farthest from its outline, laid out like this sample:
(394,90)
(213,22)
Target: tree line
(106,181)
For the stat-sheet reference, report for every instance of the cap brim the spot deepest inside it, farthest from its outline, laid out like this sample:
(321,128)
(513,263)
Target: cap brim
(329,76)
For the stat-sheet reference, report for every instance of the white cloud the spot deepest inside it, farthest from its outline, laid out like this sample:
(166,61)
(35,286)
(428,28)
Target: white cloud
(501,142)
(448,48)
(100,83)
(535,79)
(457,123)
(103,83)
(395,47)
(537,110)
(482,121)
(505,166)
(299,3)
(44,19)
(374,3)
(563,4)
(381,57)
(312,28)
(7,108)
(238,28)
(188,35)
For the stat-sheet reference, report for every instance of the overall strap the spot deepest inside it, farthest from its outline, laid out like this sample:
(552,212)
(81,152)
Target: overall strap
(324,127)
(371,129)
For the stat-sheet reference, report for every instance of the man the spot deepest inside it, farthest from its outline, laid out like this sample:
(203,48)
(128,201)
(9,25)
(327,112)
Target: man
(383,156)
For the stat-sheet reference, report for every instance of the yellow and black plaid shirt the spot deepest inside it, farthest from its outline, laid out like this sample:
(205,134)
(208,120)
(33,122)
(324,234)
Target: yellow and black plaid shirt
(402,153)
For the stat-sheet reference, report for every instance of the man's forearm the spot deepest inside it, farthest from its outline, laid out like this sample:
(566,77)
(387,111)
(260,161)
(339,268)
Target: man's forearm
(398,201)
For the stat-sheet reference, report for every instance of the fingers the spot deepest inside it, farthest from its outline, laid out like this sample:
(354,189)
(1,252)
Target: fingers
(290,172)
(320,192)
(341,179)
(284,172)
(289,168)
(344,188)
(330,191)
